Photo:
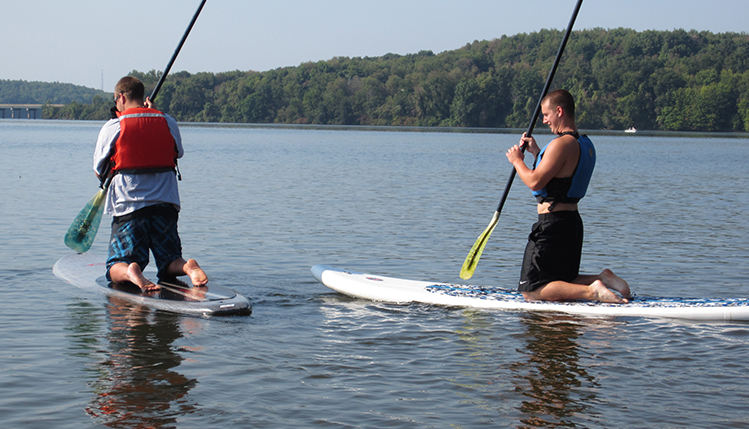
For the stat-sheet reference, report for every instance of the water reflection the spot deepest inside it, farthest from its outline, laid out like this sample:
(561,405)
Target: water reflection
(136,383)
(556,387)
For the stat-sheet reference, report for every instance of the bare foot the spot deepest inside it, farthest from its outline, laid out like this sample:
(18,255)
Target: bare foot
(196,274)
(135,275)
(612,281)
(602,293)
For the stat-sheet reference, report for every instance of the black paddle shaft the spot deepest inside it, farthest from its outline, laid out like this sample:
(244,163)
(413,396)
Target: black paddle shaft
(108,177)
(543,94)
(176,51)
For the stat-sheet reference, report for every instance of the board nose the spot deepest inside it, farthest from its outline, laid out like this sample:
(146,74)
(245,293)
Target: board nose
(317,271)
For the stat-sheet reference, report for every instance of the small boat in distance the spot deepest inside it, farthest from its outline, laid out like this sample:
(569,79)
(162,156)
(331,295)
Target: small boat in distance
(631,130)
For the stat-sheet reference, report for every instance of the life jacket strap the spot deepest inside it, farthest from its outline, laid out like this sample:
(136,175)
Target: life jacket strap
(144,170)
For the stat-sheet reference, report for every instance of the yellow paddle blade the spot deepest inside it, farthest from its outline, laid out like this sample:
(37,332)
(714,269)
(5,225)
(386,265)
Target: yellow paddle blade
(83,230)
(472,260)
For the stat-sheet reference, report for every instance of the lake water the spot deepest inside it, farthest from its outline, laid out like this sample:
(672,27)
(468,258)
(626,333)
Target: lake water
(261,205)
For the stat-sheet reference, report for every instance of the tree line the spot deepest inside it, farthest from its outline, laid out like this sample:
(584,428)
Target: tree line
(23,92)
(657,80)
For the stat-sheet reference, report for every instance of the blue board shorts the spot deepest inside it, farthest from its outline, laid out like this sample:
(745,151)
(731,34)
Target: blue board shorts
(553,252)
(151,228)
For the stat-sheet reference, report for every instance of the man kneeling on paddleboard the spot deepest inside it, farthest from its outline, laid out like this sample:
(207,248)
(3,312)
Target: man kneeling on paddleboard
(139,148)
(559,179)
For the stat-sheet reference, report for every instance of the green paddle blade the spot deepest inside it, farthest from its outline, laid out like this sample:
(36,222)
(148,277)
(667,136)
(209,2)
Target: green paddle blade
(83,230)
(472,260)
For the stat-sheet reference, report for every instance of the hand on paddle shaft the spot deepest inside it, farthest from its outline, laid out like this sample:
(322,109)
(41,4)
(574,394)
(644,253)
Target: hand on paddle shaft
(472,260)
(83,230)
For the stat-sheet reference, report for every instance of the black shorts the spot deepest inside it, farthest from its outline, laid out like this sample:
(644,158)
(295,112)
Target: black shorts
(553,251)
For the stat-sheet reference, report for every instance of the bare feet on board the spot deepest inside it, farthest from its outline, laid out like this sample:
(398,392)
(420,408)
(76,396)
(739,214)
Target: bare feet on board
(196,274)
(602,293)
(135,276)
(612,281)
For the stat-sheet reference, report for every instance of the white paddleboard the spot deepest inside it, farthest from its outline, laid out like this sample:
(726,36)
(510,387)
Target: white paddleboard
(402,291)
(87,271)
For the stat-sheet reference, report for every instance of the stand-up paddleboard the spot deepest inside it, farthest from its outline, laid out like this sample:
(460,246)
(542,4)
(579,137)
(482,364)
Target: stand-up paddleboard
(87,272)
(402,291)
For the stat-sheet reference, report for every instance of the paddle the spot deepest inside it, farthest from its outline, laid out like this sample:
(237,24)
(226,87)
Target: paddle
(472,260)
(83,230)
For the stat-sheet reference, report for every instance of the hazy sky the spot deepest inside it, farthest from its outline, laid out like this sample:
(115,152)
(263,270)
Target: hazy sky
(79,41)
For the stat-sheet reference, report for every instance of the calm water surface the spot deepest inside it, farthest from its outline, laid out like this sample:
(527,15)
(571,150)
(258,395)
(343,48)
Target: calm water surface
(261,205)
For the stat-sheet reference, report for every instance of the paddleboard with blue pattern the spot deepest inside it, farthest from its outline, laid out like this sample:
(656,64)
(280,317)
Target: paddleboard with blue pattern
(402,291)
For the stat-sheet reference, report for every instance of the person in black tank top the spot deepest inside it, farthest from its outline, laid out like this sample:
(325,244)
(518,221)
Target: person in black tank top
(551,262)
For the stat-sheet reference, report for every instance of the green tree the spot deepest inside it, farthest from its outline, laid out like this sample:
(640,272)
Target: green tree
(670,80)
(464,111)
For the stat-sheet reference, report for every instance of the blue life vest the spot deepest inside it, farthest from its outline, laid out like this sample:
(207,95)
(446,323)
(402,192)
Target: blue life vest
(569,189)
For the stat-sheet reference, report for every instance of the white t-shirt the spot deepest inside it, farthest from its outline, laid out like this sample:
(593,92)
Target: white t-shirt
(130,192)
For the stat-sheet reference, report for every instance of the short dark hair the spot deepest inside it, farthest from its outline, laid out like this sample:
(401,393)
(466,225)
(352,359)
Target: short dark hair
(562,99)
(132,87)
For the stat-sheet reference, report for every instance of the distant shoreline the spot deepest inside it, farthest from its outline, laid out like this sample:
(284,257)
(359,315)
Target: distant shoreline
(418,129)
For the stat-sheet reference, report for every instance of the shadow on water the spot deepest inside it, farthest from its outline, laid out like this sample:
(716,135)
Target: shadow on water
(510,369)
(133,375)
(539,372)
(555,384)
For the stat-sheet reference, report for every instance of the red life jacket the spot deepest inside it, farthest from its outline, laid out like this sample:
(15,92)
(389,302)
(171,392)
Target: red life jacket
(145,144)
